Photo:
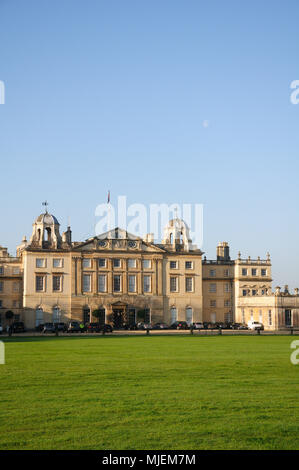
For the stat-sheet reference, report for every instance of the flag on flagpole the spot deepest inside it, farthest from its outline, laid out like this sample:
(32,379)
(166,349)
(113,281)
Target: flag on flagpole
(108,199)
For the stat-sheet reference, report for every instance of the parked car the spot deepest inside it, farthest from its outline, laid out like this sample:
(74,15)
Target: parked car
(144,326)
(161,326)
(130,326)
(179,325)
(235,326)
(238,326)
(39,327)
(223,325)
(197,326)
(255,325)
(60,326)
(17,327)
(98,328)
(93,327)
(242,327)
(74,327)
(209,325)
(49,328)
(106,328)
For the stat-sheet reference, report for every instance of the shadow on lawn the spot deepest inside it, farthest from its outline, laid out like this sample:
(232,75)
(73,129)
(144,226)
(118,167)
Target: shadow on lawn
(33,339)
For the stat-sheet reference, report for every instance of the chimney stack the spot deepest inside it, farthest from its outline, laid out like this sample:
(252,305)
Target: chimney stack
(223,251)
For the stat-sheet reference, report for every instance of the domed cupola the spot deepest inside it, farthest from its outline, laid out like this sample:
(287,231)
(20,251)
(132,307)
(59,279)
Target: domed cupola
(45,233)
(177,235)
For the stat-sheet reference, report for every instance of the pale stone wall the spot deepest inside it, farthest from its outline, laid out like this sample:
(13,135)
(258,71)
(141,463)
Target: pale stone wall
(222,290)
(48,298)
(218,305)
(181,300)
(11,287)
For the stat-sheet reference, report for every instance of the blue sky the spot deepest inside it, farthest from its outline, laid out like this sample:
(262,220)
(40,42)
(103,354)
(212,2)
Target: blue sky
(113,95)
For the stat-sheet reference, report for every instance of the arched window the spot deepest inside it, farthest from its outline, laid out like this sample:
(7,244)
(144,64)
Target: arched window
(171,238)
(47,236)
(189,315)
(173,315)
(56,314)
(39,316)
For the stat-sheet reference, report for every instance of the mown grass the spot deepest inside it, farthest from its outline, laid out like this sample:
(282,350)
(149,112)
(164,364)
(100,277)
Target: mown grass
(149,393)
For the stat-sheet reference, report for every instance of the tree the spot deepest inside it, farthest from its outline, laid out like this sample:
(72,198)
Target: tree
(98,313)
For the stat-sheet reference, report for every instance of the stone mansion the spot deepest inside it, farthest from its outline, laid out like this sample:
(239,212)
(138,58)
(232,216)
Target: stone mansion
(129,279)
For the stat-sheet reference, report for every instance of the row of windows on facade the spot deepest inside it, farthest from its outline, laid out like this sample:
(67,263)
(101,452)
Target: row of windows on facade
(15,286)
(213,287)
(214,303)
(117,283)
(132,283)
(228,317)
(15,304)
(102,263)
(15,270)
(260,319)
(132,263)
(248,292)
(254,272)
(40,283)
(213,273)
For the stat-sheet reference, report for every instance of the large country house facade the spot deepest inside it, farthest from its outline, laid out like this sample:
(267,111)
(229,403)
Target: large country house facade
(129,279)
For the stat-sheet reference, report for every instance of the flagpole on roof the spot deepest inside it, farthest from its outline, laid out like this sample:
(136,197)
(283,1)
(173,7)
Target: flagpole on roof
(109,213)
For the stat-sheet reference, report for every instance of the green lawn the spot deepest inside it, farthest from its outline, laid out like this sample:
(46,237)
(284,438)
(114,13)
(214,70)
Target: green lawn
(163,393)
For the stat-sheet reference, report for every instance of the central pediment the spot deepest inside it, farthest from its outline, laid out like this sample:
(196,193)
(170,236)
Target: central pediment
(118,240)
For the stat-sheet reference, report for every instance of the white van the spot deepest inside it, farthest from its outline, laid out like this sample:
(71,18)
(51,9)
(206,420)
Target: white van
(255,325)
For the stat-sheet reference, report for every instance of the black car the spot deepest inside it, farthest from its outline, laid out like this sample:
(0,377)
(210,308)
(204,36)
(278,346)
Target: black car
(130,326)
(60,326)
(161,326)
(49,328)
(179,325)
(236,326)
(18,327)
(74,327)
(106,328)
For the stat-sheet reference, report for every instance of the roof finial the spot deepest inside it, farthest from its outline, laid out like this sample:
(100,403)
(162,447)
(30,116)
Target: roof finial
(45,203)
